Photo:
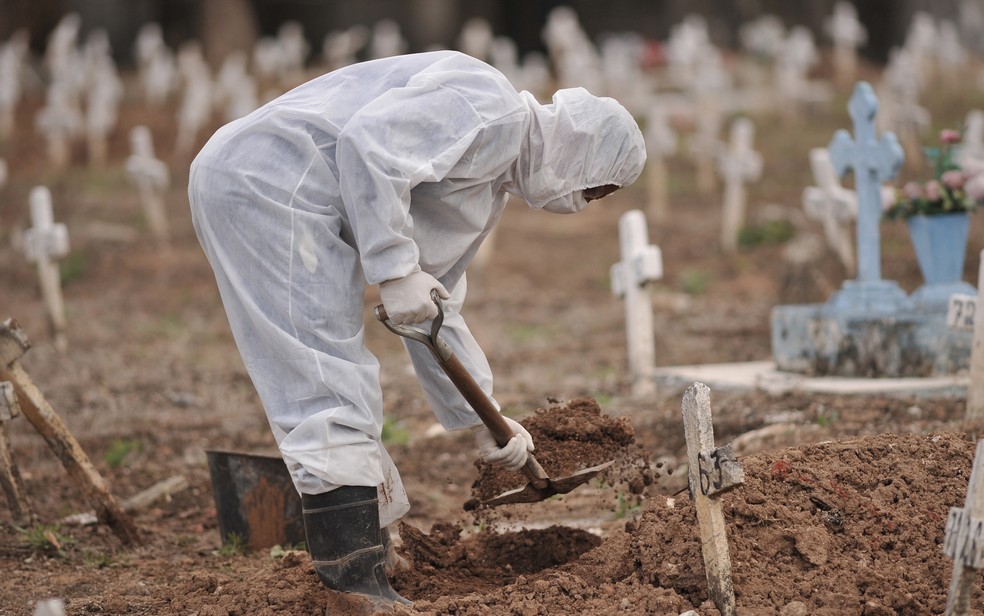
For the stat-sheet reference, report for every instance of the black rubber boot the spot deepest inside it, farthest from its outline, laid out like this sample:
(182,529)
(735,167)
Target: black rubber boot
(345,542)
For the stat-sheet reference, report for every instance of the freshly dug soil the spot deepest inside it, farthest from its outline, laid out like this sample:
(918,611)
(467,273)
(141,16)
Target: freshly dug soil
(569,438)
(839,528)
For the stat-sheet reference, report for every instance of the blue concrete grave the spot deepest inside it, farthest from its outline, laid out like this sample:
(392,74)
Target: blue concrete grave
(870,327)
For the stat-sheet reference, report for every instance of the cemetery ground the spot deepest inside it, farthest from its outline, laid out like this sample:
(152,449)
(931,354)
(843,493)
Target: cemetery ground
(845,498)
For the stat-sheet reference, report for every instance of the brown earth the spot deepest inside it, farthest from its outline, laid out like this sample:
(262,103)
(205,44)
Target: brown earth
(842,510)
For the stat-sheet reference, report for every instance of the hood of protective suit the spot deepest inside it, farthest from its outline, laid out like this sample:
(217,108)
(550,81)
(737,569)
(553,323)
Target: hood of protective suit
(578,141)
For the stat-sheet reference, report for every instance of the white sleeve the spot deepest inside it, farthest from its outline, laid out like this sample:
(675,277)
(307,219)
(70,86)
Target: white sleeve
(406,136)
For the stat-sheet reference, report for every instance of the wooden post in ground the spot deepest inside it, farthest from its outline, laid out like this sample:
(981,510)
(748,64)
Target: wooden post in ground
(964,540)
(10,479)
(641,263)
(13,344)
(712,472)
(44,243)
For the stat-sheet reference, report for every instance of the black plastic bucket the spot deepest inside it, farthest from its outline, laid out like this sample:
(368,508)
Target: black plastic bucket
(255,500)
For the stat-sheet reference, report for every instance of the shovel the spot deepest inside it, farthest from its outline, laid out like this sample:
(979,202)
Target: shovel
(541,486)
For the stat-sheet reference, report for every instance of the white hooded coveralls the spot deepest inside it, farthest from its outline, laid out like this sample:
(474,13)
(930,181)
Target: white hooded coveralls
(368,174)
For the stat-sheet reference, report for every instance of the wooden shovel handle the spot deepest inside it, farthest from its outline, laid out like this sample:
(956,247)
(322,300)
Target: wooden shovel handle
(480,402)
(489,415)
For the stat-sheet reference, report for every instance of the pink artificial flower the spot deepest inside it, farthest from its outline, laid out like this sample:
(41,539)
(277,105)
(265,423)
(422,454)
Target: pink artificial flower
(975,187)
(912,190)
(953,179)
(889,195)
(934,190)
(949,136)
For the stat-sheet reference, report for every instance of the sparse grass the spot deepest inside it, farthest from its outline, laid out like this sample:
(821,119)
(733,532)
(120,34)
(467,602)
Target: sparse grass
(46,538)
(393,433)
(602,398)
(234,545)
(525,333)
(695,281)
(72,268)
(96,560)
(120,449)
(623,508)
(827,418)
(279,551)
(768,233)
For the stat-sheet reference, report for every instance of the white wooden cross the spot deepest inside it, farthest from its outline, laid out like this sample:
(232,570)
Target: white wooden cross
(712,471)
(641,264)
(964,540)
(847,33)
(833,205)
(873,161)
(661,142)
(102,105)
(151,178)
(738,164)
(961,315)
(59,121)
(44,243)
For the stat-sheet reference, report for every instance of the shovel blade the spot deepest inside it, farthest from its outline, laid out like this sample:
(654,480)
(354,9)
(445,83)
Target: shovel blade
(532,494)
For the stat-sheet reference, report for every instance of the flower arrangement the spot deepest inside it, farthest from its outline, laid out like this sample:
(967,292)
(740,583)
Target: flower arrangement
(957,185)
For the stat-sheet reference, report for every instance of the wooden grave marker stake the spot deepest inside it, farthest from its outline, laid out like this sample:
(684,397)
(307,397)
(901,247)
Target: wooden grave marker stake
(833,205)
(738,164)
(13,344)
(964,540)
(961,315)
(10,479)
(641,263)
(151,178)
(712,471)
(44,243)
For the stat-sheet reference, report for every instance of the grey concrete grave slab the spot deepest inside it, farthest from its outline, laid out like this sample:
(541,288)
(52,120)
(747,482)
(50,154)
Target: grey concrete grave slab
(765,376)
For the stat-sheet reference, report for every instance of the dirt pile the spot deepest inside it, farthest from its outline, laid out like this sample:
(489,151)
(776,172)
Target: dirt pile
(840,528)
(571,437)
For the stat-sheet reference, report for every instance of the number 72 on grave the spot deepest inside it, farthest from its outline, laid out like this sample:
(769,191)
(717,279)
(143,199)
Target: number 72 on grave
(960,312)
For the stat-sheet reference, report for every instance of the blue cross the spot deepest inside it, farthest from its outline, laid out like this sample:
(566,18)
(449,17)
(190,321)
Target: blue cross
(873,161)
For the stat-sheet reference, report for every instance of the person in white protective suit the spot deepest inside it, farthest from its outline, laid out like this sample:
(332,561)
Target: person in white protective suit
(389,172)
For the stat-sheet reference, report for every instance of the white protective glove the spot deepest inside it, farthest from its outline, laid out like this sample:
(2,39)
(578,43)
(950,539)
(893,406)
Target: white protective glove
(408,300)
(513,456)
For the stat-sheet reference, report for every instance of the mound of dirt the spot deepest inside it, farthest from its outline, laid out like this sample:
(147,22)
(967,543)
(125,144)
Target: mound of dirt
(571,437)
(851,527)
